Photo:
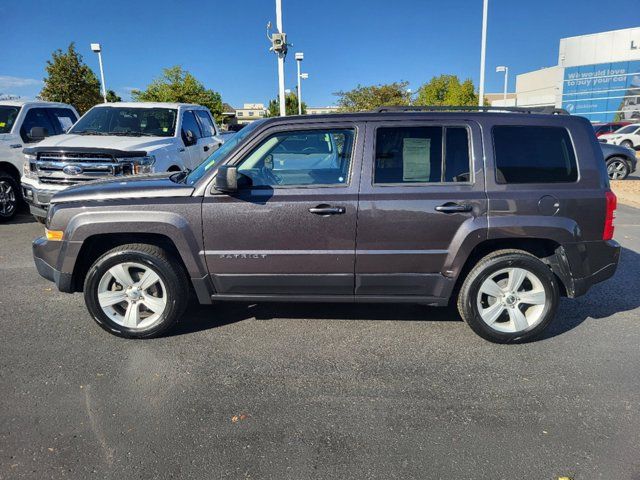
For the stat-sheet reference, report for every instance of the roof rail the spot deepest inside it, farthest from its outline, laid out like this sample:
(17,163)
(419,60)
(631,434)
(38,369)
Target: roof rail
(438,108)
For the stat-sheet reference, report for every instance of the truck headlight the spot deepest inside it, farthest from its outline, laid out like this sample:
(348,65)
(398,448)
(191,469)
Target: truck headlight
(140,165)
(26,166)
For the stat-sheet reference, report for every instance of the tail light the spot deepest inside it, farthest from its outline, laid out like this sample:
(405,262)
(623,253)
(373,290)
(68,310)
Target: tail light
(612,203)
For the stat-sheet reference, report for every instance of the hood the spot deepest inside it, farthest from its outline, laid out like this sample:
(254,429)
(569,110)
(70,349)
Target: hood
(112,142)
(609,136)
(139,186)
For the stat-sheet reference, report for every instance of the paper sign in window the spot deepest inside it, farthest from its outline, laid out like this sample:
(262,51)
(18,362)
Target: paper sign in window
(416,159)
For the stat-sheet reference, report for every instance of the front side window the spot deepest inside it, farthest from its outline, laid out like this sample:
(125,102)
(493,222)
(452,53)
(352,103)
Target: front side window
(427,154)
(8,117)
(65,117)
(301,158)
(189,122)
(36,117)
(528,154)
(128,122)
(208,130)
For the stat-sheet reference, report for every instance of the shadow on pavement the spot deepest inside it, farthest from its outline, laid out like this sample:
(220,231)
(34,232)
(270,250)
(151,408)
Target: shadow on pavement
(602,301)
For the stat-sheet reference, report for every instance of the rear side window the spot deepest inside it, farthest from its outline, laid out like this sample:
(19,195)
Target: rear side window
(426,154)
(526,154)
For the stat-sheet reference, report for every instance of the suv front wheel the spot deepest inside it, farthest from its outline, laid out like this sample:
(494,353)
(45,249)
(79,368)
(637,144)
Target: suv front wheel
(509,296)
(136,291)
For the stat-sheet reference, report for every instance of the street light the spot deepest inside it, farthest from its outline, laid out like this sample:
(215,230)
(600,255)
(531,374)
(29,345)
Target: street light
(504,69)
(301,76)
(279,46)
(96,48)
(483,50)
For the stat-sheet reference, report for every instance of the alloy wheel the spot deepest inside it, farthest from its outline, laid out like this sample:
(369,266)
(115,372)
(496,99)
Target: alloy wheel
(132,295)
(511,300)
(8,199)
(617,169)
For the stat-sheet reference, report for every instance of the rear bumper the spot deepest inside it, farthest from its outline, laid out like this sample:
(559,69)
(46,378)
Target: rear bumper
(582,265)
(41,250)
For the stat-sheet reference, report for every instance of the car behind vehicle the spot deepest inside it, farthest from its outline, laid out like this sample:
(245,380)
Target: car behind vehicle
(116,140)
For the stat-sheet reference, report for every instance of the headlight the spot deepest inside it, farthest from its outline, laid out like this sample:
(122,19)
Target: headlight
(26,166)
(140,165)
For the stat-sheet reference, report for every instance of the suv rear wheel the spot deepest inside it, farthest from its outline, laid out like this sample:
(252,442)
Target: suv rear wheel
(509,296)
(136,291)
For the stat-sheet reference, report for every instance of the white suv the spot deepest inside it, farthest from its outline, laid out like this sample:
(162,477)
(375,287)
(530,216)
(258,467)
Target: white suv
(628,136)
(23,123)
(118,139)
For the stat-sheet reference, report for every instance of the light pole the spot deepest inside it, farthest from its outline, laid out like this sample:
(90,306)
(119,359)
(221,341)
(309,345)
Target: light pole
(282,52)
(504,69)
(96,48)
(483,50)
(299,58)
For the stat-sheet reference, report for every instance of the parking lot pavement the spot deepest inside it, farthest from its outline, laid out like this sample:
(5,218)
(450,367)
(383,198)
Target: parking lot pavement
(316,391)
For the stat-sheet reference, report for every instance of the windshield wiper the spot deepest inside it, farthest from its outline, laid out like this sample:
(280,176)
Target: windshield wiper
(89,132)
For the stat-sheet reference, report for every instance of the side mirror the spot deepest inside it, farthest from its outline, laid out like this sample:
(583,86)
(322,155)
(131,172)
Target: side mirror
(190,138)
(227,179)
(38,133)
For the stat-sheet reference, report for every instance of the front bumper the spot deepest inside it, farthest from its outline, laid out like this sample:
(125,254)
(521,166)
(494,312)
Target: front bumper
(582,265)
(37,197)
(43,250)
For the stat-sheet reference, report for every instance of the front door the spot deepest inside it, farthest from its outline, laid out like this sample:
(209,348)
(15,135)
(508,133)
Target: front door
(290,229)
(422,193)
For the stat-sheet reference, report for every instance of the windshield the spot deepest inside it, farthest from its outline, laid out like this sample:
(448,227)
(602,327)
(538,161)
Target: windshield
(128,122)
(8,117)
(627,129)
(216,157)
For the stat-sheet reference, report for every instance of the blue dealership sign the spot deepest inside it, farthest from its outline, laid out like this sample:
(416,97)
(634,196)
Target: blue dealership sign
(603,92)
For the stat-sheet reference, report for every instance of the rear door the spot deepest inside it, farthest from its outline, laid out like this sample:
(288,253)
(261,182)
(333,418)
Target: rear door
(422,194)
(289,230)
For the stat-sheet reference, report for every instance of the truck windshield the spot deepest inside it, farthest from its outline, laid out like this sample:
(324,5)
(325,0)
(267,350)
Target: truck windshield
(8,117)
(128,122)
(216,157)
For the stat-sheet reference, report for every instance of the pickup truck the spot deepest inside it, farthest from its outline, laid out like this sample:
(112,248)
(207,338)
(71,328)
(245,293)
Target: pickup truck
(119,139)
(23,123)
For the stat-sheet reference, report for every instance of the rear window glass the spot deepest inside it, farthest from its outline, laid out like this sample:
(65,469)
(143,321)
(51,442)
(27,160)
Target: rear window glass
(526,154)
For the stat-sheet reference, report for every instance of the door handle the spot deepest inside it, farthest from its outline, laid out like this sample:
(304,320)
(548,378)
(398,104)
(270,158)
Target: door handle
(327,210)
(451,207)
(206,148)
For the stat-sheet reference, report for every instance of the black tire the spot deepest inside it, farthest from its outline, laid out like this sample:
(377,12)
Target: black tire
(170,272)
(621,172)
(492,263)
(10,197)
(628,144)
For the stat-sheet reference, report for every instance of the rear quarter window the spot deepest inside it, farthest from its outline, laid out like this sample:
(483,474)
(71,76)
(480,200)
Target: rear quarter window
(531,154)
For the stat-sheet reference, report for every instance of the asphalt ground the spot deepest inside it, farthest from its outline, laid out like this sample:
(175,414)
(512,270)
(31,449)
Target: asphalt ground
(305,391)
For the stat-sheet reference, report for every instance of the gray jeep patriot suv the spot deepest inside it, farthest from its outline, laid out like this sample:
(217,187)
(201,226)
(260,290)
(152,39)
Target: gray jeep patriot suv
(501,212)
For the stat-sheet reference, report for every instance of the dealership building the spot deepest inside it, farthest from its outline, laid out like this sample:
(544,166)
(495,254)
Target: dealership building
(597,76)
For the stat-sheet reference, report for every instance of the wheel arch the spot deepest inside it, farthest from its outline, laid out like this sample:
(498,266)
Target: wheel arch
(11,169)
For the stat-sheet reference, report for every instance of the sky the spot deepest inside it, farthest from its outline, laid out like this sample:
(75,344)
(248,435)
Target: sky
(345,42)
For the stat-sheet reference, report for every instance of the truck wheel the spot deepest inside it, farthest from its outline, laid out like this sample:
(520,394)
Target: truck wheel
(9,197)
(509,296)
(136,291)
(617,168)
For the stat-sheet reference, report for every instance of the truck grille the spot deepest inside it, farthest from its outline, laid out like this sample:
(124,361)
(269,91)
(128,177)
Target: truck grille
(70,168)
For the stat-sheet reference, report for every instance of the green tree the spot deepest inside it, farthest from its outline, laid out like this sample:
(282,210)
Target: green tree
(70,80)
(178,85)
(113,97)
(290,105)
(369,97)
(446,90)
